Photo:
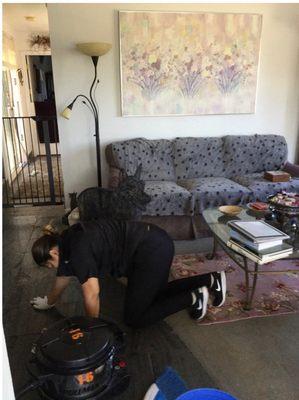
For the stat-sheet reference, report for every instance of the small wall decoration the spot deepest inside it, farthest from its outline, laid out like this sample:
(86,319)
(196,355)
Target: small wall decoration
(40,42)
(175,63)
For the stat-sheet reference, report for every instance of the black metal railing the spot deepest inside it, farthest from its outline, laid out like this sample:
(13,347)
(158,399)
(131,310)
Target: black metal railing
(31,161)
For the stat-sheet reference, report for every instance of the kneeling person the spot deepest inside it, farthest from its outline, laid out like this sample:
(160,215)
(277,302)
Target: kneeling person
(141,252)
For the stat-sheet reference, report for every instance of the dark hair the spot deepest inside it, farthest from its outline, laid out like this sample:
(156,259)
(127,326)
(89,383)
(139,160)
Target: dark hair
(41,247)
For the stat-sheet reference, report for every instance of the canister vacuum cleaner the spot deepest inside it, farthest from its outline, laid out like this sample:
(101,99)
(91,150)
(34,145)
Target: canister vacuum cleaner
(78,358)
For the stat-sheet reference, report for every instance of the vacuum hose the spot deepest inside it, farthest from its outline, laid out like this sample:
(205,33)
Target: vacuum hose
(32,385)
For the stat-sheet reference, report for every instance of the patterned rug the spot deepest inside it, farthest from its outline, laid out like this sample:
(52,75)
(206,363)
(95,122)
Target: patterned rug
(274,294)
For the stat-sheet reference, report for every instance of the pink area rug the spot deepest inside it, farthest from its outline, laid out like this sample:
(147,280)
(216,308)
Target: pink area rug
(274,294)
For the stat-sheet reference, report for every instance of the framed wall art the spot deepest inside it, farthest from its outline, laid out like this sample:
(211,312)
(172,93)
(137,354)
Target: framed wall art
(188,63)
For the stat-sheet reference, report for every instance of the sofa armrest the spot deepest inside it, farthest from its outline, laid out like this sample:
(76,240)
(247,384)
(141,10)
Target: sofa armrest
(292,169)
(115,177)
(115,171)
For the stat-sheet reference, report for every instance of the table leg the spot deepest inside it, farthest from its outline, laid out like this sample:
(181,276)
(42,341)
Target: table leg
(246,282)
(210,256)
(250,293)
(256,267)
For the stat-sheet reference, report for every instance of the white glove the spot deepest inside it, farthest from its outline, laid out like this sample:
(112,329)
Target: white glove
(41,303)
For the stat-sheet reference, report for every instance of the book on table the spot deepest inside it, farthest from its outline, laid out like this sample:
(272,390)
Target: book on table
(257,246)
(258,241)
(262,256)
(257,231)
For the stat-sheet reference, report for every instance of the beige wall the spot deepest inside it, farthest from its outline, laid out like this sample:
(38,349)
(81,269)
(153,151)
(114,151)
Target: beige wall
(277,93)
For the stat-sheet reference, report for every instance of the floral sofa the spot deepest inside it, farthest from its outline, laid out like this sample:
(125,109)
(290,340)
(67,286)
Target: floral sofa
(184,176)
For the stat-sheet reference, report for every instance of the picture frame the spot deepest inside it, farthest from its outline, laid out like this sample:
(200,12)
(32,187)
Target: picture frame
(188,63)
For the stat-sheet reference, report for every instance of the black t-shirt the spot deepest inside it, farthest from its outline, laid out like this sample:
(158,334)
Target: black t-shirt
(95,248)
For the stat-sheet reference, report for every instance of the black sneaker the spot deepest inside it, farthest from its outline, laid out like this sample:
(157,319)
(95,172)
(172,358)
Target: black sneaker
(199,308)
(218,288)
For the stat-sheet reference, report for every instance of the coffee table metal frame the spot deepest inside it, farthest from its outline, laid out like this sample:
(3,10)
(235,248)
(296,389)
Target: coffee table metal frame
(217,222)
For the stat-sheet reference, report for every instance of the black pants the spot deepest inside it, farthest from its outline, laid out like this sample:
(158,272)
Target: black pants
(149,295)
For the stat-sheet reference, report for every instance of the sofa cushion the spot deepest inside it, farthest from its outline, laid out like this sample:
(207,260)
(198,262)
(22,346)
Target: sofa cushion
(156,157)
(213,192)
(198,157)
(253,153)
(262,188)
(167,199)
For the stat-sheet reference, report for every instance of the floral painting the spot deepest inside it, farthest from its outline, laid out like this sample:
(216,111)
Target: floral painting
(175,63)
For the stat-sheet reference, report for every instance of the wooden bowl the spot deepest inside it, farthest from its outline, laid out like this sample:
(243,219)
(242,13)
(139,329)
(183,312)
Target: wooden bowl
(230,210)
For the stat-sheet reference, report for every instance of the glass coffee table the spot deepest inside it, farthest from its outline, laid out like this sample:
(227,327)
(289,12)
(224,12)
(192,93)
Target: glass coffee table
(217,222)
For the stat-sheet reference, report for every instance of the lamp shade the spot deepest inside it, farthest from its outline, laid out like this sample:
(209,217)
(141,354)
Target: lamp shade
(94,49)
(66,113)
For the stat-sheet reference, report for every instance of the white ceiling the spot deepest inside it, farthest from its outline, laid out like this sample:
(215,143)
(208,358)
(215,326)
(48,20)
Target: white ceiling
(14,17)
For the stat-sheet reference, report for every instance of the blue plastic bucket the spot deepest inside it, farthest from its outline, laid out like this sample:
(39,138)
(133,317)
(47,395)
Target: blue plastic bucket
(206,394)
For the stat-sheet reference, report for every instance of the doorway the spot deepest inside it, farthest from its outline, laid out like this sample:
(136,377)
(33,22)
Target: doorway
(41,92)
(32,172)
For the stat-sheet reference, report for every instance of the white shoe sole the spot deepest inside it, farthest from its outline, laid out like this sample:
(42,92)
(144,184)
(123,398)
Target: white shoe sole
(223,285)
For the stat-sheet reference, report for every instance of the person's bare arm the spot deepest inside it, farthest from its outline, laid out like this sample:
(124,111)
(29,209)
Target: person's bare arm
(60,284)
(91,295)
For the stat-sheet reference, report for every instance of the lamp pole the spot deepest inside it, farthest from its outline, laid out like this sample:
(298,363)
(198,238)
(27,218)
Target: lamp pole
(96,119)
(91,102)
(93,50)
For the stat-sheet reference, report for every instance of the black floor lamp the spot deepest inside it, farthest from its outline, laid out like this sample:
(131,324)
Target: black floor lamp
(93,50)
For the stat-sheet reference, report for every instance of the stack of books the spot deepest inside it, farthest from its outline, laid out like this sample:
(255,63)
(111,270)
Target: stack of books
(258,241)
